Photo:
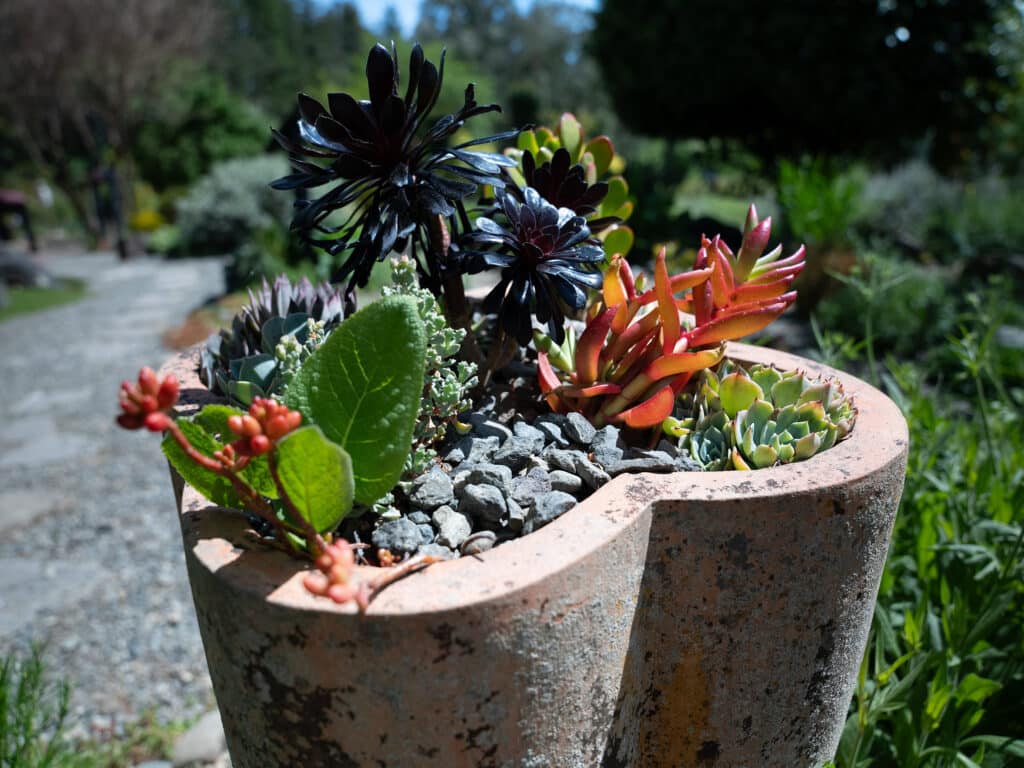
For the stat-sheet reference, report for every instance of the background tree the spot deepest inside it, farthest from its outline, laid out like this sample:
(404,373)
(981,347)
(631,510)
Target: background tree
(863,76)
(77,78)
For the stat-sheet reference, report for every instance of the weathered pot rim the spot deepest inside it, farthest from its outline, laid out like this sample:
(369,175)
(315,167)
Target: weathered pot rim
(219,541)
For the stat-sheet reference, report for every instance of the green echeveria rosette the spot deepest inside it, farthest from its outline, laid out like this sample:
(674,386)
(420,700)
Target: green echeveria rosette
(760,417)
(269,338)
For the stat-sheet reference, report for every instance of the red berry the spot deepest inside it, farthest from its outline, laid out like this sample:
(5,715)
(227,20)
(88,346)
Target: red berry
(259,445)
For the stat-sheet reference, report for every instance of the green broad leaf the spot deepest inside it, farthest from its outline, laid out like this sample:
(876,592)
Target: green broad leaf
(571,135)
(619,240)
(212,486)
(316,475)
(976,689)
(624,211)
(737,393)
(214,419)
(601,149)
(362,387)
(528,141)
(1001,744)
(787,391)
(618,193)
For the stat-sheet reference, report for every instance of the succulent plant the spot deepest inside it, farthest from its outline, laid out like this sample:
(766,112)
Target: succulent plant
(269,338)
(586,176)
(391,173)
(446,382)
(759,417)
(640,349)
(547,257)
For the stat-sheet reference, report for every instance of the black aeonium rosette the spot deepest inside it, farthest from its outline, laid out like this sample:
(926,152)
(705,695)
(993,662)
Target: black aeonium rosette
(563,183)
(547,256)
(392,174)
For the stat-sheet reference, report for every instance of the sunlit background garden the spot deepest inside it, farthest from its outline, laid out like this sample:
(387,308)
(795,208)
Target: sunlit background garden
(887,135)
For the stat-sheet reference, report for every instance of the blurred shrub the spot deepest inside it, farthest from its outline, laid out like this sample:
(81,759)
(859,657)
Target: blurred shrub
(906,307)
(197,124)
(226,207)
(910,205)
(989,219)
(820,204)
(146,220)
(165,241)
(262,255)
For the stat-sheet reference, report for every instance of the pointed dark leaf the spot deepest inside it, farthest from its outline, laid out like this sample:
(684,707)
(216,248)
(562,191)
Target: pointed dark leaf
(416,59)
(380,76)
(310,109)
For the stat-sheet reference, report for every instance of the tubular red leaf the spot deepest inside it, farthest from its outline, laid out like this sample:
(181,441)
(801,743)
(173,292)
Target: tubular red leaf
(588,348)
(650,412)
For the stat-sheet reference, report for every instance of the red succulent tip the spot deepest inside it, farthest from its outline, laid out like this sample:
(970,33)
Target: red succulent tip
(146,403)
(266,422)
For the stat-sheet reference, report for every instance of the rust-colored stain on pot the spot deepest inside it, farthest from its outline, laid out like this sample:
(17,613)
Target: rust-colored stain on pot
(702,619)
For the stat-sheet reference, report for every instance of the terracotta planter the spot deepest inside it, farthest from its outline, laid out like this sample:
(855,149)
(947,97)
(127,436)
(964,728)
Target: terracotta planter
(698,619)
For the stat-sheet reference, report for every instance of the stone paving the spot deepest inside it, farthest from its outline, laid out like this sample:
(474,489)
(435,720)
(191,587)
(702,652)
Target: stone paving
(90,556)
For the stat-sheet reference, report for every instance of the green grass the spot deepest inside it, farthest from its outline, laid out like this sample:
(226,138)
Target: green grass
(22,301)
(33,716)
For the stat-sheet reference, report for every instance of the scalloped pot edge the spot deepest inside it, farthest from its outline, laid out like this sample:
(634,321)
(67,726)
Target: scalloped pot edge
(712,618)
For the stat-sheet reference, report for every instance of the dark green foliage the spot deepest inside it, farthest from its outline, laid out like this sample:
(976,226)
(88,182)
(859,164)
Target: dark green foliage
(874,75)
(198,123)
(943,676)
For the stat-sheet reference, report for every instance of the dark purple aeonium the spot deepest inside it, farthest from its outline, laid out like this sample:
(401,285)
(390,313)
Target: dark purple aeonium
(393,176)
(547,256)
(563,183)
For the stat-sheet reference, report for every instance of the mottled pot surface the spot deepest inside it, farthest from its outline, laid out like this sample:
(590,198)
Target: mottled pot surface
(879,438)
(696,619)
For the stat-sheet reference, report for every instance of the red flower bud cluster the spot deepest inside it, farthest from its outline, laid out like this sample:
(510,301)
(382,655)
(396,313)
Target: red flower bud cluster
(335,576)
(146,404)
(266,422)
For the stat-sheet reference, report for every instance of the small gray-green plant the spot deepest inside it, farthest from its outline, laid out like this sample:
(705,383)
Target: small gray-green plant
(759,417)
(446,381)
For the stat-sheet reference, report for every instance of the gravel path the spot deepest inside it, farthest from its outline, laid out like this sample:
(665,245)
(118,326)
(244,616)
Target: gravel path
(90,555)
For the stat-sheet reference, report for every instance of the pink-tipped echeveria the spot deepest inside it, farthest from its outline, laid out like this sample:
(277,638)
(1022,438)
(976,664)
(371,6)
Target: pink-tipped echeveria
(759,417)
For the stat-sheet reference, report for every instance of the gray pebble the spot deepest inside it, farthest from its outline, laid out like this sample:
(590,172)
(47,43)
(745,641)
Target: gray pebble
(531,434)
(551,506)
(647,461)
(527,488)
(591,474)
(437,550)
(419,517)
(485,427)
(432,489)
(516,452)
(478,542)
(552,433)
(563,459)
(426,532)
(453,527)
(605,446)
(686,463)
(537,462)
(670,448)
(516,515)
(565,481)
(484,474)
(483,501)
(399,536)
(578,429)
